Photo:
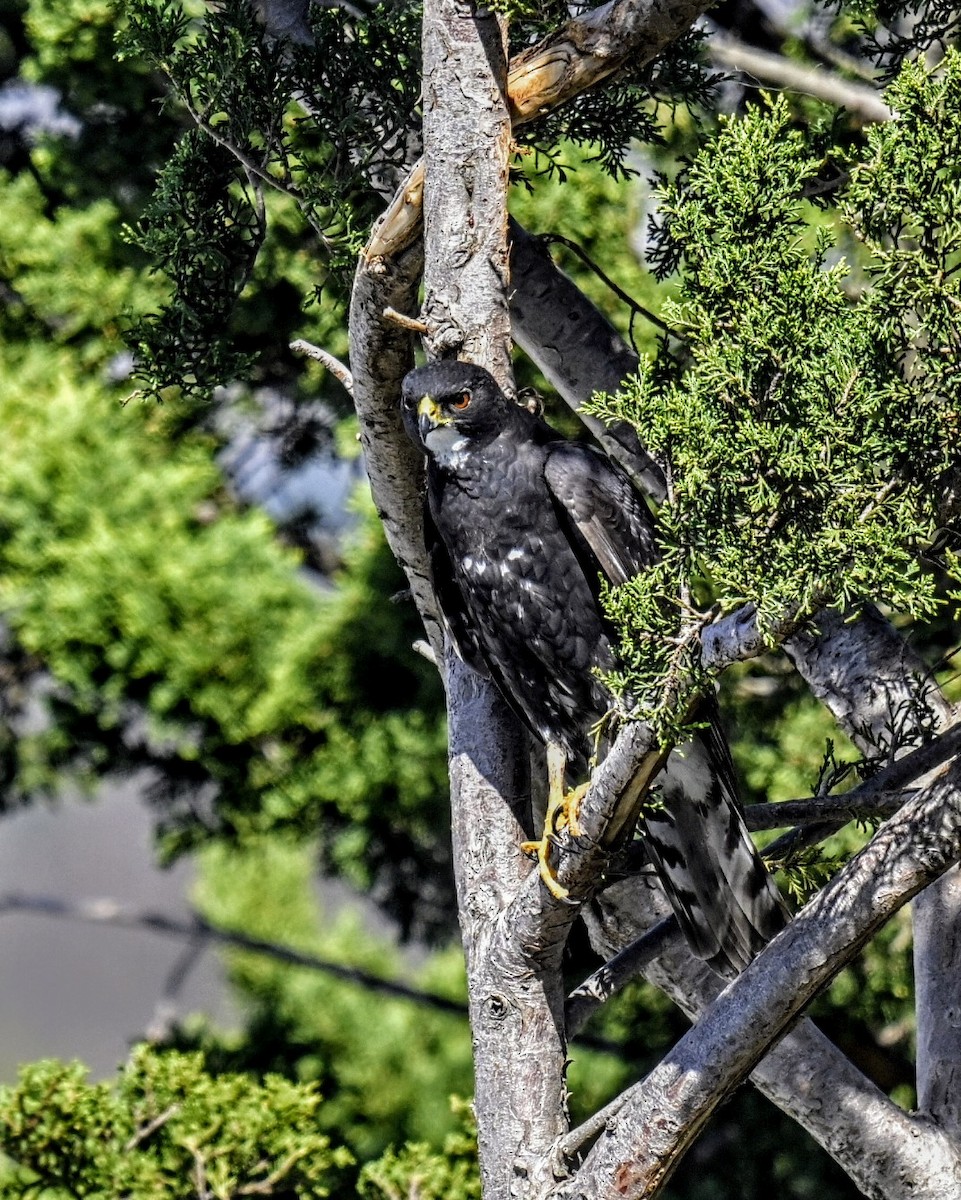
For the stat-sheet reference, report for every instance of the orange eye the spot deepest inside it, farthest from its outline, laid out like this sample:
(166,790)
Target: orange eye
(462,403)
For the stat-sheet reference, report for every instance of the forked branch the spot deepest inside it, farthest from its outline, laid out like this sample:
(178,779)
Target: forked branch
(666,1111)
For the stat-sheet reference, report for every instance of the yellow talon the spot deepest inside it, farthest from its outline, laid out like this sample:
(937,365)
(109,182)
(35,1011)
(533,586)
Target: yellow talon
(562,809)
(571,807)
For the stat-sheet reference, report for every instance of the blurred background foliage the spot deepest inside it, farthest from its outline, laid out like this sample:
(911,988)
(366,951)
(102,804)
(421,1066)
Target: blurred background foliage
(250,660)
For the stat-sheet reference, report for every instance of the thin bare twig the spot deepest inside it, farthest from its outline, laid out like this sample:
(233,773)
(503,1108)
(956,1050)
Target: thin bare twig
(405,322)
(893,778)
(614,975)
(109,912)
(151,1127)
(105,911)
(254,169)
(267,1186)
(339,370)
(618,291)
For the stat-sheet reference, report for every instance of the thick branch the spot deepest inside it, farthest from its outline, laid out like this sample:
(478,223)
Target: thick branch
(880,796)
(882,694)
(665,1112)
(514,985)
(381,354)
(576,348)
(874,684)
(804,1074)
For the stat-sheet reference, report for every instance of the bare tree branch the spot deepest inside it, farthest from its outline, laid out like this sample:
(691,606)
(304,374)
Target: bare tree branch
(859,98)
(614,975)
(804,1074)
(576,348)
(339,371)
(881,795)
(866,674)
(666,1111)
(882,791)
(381,354)
(882,694)
(105,911)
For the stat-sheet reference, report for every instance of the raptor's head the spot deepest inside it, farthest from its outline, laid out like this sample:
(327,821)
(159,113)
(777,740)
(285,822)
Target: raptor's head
(447,403)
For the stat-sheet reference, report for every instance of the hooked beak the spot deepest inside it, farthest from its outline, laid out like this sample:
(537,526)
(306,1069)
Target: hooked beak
(429,415)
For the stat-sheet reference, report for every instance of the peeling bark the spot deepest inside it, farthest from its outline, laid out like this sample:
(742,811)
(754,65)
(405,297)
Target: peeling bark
(585,52)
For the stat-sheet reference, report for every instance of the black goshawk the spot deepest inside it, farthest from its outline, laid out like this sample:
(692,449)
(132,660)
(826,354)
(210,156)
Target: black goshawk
(521,527)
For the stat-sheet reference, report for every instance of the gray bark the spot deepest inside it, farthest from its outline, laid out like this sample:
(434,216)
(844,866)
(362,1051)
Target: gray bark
(661,1115)
(466,151)
(381,354)
(882,695)
(516,995)
(882,1148)
(880,796)
(584,53)
(514,982)
(862,99)
(876,687)
(937,957)
(576,348)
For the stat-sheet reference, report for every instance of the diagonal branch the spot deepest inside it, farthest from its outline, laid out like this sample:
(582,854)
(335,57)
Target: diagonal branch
(105,911)
(666,1111)
(859,98)
(807,1076)
(881,795)
(381,354)
(885,789)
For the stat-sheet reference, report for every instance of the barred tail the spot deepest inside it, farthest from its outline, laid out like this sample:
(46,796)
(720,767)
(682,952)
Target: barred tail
(726,902)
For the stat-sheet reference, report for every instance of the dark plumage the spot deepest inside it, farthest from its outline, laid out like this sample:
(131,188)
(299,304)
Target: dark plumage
(521,525)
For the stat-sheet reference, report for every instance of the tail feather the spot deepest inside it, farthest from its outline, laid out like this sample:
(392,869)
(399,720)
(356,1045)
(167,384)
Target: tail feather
(726,902)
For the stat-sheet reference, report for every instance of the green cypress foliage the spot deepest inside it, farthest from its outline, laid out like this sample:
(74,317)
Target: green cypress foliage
(807,408)
(166,1129)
